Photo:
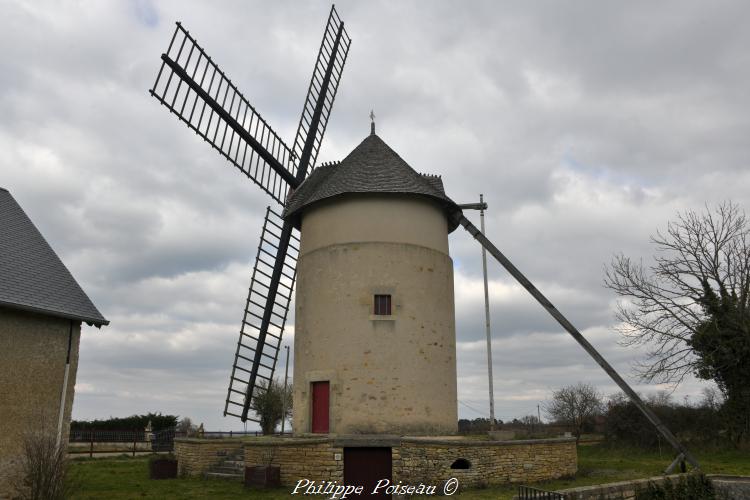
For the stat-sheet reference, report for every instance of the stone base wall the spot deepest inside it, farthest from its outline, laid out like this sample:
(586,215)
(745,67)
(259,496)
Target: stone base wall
(298,458)
(195,456)
(490,462)
(735,487)
(415,460)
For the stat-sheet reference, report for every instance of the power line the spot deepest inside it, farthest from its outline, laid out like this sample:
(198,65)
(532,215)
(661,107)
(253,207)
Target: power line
(472,408)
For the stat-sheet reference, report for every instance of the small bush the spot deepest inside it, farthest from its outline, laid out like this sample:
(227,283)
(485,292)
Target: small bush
(44,470)
(270,403)
(157,457)
(692,486)
(626,425)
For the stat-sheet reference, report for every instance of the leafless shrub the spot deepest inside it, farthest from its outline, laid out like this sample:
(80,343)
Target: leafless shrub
(44,472)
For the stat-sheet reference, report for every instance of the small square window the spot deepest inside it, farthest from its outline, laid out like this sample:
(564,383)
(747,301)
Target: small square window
(382,305)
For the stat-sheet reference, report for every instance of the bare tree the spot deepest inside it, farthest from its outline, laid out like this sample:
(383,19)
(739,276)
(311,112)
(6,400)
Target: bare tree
(575,405)
(663,304)
(185,426)
(530,420)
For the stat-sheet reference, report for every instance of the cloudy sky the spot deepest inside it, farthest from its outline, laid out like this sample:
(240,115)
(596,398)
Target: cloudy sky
(587,126)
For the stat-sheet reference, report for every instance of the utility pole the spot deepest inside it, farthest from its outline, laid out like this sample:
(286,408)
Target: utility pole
(286,378)
(482,206)
(487,319)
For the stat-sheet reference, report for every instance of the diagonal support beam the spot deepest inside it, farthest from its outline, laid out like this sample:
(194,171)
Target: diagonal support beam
(239,129)
(458,218)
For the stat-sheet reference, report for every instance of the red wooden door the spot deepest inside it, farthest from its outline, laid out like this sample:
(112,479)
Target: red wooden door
(320,396)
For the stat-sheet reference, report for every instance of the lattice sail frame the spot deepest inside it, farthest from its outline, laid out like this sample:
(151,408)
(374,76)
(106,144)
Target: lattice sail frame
(195,89)
(248,344)
(333,51)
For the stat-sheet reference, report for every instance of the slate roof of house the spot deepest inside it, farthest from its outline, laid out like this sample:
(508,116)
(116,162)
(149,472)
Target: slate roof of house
(32,276)
(372,167)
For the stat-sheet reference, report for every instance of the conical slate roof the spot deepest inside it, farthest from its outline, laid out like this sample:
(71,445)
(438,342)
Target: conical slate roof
(32,276)
(372,167)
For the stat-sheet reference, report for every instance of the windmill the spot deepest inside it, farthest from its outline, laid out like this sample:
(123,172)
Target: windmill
(193,87)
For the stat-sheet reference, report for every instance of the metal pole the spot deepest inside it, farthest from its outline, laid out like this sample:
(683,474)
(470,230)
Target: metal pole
(286,378)
(63,394)
(487,320)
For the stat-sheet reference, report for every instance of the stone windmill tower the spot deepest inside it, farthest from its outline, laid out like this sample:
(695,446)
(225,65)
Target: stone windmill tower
(375,342)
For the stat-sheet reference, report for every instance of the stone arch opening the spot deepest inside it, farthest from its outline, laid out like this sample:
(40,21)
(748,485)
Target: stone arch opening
(461,463)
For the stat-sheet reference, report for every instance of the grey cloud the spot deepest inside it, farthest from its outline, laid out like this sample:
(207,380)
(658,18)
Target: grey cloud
(586,126)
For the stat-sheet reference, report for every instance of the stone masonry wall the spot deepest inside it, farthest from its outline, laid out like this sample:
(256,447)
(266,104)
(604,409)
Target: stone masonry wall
(313,459)
(393,374)
(32,368)
(425,460)
(195,456)
(429,461)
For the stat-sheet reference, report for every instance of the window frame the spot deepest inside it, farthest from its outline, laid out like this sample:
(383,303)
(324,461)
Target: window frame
(380,308)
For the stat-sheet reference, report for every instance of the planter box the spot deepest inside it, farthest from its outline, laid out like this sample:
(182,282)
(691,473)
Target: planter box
(263,476)
(162,468)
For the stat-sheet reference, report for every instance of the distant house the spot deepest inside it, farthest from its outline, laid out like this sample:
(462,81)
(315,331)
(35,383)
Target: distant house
(41,311)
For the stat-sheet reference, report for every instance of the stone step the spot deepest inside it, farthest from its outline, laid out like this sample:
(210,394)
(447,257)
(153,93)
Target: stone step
(231,463)
(225,476)
(229,470)
(229,454)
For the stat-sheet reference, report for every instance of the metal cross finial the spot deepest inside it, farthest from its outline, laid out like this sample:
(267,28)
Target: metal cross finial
(372,122)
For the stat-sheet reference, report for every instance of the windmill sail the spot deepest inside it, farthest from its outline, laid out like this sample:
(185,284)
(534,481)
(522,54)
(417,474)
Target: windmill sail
(193,87)
(459,218)
(258,347)
(322,91)
(318,103)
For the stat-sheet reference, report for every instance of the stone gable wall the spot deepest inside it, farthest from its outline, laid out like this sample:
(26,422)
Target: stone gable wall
(32,368)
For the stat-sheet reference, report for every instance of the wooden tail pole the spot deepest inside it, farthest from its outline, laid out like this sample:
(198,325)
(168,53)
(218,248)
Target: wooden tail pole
(458,217)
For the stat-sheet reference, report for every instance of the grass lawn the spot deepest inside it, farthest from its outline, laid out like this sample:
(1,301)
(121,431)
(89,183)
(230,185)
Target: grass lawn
(120,478)
(125,477)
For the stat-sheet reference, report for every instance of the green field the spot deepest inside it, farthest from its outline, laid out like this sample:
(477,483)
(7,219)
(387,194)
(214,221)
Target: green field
(120,478)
